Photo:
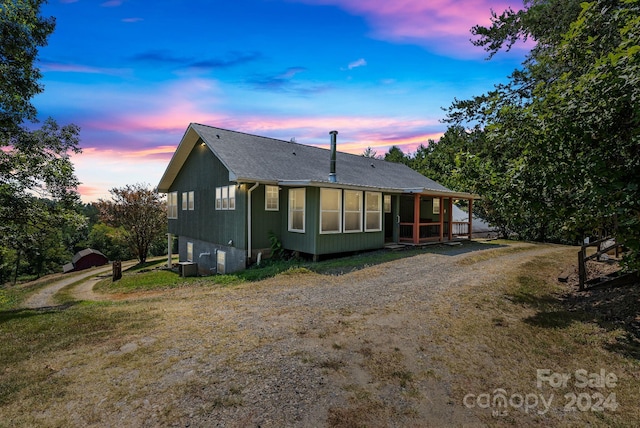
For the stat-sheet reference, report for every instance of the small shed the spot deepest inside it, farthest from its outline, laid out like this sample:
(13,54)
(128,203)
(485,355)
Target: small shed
(85,259)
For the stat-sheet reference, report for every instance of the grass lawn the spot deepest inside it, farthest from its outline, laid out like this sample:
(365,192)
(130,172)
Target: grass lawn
(151,276)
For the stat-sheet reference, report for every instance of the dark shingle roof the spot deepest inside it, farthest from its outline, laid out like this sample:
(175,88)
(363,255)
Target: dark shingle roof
(254,158)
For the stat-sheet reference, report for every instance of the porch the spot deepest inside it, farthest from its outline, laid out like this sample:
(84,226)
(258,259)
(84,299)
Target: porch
(425,218)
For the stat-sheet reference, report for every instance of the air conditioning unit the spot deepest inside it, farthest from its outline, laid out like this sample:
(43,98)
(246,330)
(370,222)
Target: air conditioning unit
(188,269)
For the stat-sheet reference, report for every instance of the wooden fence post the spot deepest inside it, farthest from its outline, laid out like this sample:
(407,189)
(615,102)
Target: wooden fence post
(116,270)
(582,269)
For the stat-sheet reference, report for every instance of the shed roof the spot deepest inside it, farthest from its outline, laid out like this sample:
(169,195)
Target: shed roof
(251,158)
(83,253)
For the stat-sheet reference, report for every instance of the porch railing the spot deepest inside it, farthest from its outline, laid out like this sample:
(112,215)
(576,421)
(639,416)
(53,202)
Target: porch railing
(460,228)
(431,231)
(427,232)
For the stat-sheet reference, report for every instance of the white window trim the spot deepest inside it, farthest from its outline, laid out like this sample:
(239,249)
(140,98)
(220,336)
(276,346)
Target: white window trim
(232,197)
(266,198)
(344,212)
(192,201)
(226,198)
(339,211)
(304,209)
(218,198)
(377,211)
(172,205)
(185,201)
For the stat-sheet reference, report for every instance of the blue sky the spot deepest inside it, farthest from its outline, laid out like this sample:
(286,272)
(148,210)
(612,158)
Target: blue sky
(133,74)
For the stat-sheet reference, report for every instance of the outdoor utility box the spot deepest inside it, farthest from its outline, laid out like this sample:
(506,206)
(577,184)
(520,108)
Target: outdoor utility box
(188,269)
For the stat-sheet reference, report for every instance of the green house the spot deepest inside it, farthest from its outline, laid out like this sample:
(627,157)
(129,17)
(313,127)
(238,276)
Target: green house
(228,192)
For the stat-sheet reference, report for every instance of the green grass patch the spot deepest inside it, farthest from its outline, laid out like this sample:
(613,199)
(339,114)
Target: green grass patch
(28,333)
(149,277)
(143,280)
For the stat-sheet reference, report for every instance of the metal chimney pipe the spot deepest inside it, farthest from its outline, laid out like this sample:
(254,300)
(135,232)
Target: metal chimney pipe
(332,167)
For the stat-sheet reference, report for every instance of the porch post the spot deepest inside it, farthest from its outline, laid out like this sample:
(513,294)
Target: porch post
(470,218)
(416,218)
(450,219)
(441,218)
(169,248)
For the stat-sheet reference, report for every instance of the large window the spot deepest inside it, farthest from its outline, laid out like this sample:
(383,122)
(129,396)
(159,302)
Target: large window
(373,212)
(352,211)
(330,210)
(296,210)
(271,198)
(172,205)
(226,198)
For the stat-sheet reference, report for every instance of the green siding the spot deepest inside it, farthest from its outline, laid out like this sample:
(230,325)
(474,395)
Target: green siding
(202,173)
(303,242)
(312,241)
(265,221)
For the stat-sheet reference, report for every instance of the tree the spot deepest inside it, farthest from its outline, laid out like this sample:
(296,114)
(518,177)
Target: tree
(395,154)
(370,153)
(110,241)
(38,196)
(37,181)
(563,134)
(22,32)
(140,211)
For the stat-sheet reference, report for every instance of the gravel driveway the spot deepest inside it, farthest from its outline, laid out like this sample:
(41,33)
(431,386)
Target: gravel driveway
(302,350)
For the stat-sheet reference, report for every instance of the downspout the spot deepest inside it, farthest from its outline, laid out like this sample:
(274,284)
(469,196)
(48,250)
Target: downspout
(251,189)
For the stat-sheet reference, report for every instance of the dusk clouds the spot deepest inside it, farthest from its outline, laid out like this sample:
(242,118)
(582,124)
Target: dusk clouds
(134,77)
(438,24)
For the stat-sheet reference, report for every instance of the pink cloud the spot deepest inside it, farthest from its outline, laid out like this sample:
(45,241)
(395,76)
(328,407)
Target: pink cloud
(79,68)
(441,25)
(132,20)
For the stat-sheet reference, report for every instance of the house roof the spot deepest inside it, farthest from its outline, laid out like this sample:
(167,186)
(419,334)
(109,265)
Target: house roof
(251,158)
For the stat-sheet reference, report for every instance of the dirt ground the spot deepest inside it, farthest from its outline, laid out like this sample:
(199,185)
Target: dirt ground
(302,350)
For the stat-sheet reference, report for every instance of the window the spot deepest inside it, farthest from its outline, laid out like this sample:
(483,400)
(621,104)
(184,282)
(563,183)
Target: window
(271,198)
(232,197)
(373,213)
(296,210)
(188,201)
(330,207)
(221,262)
(172,205)
(436,205)
(226,198)
(189,251)
(387,203)
(352,211)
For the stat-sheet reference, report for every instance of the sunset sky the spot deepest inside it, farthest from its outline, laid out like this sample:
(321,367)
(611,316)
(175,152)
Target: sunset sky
(133,74)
